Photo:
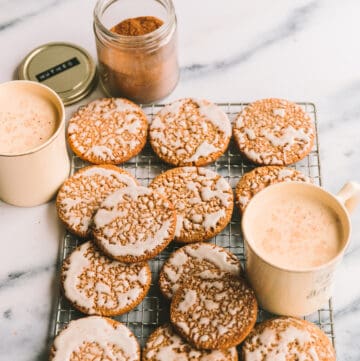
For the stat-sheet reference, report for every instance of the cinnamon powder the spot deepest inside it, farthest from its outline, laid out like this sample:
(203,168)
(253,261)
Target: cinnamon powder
(137,26)
(145,72)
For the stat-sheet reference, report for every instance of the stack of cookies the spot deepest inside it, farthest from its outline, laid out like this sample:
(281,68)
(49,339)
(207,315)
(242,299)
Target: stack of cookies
(124,225)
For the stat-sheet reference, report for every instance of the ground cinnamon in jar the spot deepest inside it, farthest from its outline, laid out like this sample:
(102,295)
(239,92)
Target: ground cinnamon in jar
(137,56)
(137,26)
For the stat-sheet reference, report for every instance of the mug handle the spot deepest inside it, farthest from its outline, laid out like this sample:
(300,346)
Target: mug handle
(349,196)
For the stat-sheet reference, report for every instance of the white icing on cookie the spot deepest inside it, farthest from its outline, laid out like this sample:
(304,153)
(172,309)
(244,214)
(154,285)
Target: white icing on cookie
(207,194)
(196,194)
(122,106)
(243,200)
(239,123)
(279,111)
(194,258)
(91,280)
(72,128)
(284,173)
(212,219)
(104,217)
(173,108)
(221,329)
(100,151)
(190,131)
(203,150)
(141,247)
(106,172)
(157,123)
(250,133)
(178,258)
(207,173)
(134,221)
(189,300)
(98,330)
(179,224)
(279,344)
(132,127)
(215,115)
(265,157)
(289,137)
(215,255)
(118,196)
(69,203)
(81,194)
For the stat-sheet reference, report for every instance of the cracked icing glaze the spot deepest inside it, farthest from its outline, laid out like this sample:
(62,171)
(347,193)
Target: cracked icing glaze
(274,132)
(284,339)
(202,198)
(108,130)
(80,195)
(95,338)
(193,259)
(200,310)
(95,284)
(134,224)
(190,132)
(165,345)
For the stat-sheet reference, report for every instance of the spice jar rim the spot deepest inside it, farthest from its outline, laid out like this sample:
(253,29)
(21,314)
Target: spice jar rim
(138,40)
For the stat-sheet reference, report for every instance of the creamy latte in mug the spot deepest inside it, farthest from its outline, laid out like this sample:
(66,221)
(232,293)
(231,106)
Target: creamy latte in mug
(295,235)
(298,232)
(33,154)
(27,119)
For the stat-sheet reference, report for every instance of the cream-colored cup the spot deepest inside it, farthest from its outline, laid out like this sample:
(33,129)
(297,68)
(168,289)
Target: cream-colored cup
(286,291)
(32,177)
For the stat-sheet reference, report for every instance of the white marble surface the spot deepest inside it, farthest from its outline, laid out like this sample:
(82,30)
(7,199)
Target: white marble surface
(229,51)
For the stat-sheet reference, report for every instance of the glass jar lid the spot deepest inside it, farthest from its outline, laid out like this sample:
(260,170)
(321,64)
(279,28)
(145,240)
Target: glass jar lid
(66,68)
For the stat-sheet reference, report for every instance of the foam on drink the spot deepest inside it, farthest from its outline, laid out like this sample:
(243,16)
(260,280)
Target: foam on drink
(297,232)
(27,120)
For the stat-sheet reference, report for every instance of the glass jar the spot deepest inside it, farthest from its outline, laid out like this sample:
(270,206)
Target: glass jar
(143,68)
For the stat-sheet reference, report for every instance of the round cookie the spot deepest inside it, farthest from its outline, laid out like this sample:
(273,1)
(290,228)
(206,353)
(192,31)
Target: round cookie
(108,130)
(95,338)
(192,259)
(261,177)
(202,198)
(134,224)
(190,132)
(274,132)
(287,338)
(97,285)
(214,310)
(81,194)
(165,345)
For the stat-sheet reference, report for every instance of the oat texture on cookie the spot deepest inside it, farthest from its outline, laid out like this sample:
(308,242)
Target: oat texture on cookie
(108,130)
(274,132)
(192,259)
(95,338)
(134,224)
(287,338)
(190,132)
(80,195)
(165,345)
(202,198)
(98,285)
(214,310)
(261,177)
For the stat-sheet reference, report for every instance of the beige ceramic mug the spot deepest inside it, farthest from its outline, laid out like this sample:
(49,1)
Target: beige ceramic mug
(33,155)
(292,290)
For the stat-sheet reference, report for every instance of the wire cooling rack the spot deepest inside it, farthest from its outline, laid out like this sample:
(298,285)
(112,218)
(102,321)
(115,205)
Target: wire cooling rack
(154,310)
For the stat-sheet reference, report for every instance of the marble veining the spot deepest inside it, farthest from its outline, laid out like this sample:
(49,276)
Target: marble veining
(229,51)
(289,26)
